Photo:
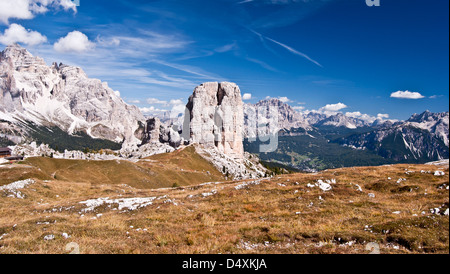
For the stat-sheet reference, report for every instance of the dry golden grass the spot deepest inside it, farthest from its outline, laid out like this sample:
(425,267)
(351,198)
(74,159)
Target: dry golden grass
(277,215)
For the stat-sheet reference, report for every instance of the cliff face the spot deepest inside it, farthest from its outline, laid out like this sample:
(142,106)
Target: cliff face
(217,118)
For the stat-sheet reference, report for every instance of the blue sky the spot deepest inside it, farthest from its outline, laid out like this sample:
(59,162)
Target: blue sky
(324,55)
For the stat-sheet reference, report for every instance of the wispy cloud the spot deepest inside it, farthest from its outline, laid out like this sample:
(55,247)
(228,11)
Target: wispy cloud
(290,49)
(188,69)
(244,2)
(226,48)
(296,52)
(262,64)
(137,102)
(281,13)
(435,96)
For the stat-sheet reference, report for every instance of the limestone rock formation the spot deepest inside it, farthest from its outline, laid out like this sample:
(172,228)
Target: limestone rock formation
(170,136)
(287,117)
(62,96)
(216,118)
(152,131)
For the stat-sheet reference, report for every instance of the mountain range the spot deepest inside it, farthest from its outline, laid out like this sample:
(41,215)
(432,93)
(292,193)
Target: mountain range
(315,141)
(61,106)
(35,96)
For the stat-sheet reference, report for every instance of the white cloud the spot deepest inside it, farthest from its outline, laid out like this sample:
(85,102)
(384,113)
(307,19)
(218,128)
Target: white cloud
(175,102)
(333,107)
(18,34)
(151,110)
(177,111)
(152,101)
(284,99)
(298,108)
(65,4)
(26,9)
(365,117)
(75,41)
(407,95)
(247,96)
(42,6)
(355,114)
(19,9)
(176,105)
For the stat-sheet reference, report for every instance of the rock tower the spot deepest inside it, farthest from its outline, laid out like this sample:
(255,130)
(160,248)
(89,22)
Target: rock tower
(216,118)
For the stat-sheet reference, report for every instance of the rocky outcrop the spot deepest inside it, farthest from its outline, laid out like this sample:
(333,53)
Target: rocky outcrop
(248,167)
(170,136)
(216,118)
(156,132)
(152,131)
(62,96)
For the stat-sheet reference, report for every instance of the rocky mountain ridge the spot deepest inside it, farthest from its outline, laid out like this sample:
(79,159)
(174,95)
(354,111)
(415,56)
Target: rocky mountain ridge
(61,96)
(435,123)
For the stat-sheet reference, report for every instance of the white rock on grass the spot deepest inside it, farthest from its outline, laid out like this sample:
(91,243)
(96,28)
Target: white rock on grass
(246,184)
(439,173)
(12,190)
(435,211)
(49,237)
(324,186)
(207,194)
(65,235)
(126,203)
